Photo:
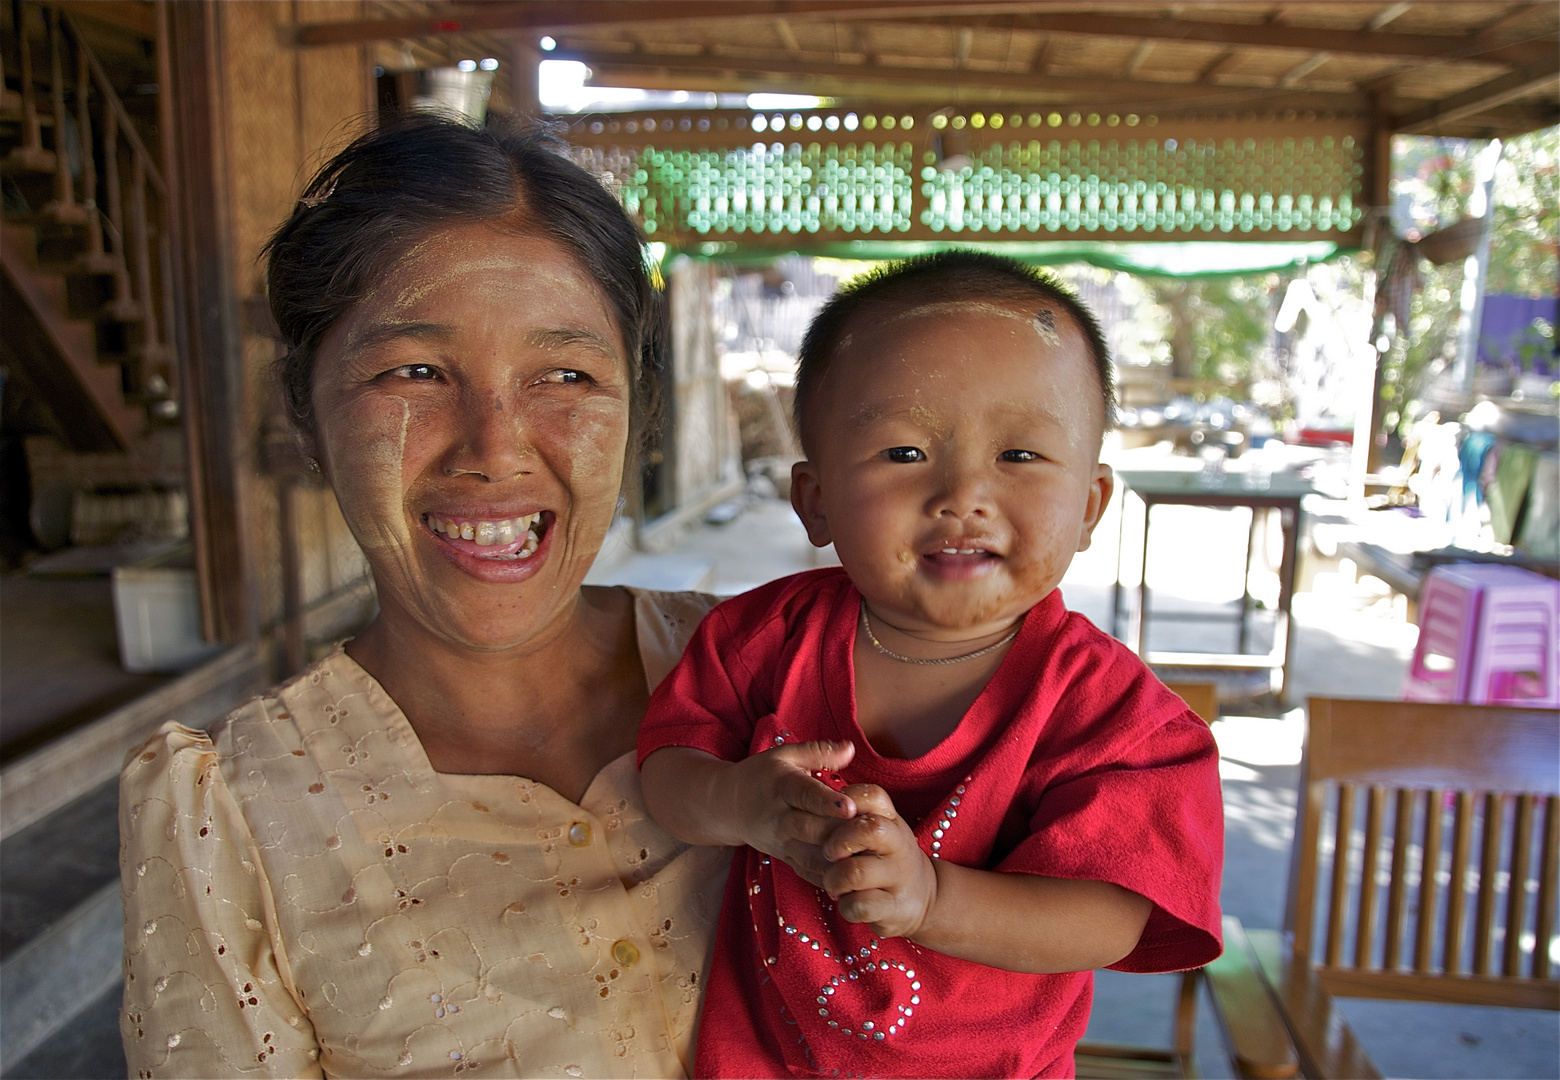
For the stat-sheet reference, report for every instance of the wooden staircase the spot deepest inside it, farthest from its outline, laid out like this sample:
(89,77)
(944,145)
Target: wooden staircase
(85,296)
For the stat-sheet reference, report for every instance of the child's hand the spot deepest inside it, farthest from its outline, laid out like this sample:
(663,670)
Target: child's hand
(879,874)
(784,810)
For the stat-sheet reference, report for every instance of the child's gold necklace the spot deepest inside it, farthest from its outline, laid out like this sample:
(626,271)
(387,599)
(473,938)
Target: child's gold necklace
(866,625)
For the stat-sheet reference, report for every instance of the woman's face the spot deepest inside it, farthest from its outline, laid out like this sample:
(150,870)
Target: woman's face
(472,413)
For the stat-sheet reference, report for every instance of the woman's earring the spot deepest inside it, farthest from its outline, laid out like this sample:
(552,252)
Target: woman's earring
(314,466)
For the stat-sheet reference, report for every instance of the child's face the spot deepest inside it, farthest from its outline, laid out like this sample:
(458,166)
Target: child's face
(955,462)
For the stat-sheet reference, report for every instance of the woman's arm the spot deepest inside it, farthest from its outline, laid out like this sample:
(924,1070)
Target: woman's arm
(1019,922)
(205,992)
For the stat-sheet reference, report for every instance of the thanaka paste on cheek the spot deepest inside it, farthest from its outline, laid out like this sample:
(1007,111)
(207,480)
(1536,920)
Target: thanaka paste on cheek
(366,455)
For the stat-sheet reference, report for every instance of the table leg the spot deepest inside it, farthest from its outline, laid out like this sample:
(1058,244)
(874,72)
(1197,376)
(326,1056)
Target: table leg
(1116,590)
(1245,583)
(1142,646)
(1286,590)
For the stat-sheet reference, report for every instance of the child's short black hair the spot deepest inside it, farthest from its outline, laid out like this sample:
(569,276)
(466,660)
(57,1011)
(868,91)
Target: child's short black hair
(943,276)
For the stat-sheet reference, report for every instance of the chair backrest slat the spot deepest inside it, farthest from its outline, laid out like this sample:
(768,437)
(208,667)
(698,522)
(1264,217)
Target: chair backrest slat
(1457,894)
(1516,895)
(1404,908)
(1365,923)
(1429,895)
(1338,900)
(1548,883)
(1397,878)
(1489,869)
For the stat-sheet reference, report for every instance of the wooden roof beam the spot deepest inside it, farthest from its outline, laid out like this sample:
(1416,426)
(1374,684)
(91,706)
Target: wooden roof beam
(1498,91)
(714,71)
(1388,14)
(1139,55)
(788,36)
(1295,74)
(1287,36)
(560,14)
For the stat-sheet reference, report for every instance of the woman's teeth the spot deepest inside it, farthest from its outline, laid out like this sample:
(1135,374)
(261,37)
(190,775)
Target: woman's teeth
(491,533)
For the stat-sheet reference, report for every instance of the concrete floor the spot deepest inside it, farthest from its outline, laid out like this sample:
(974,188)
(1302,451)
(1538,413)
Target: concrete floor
(1351,641)
(59,658)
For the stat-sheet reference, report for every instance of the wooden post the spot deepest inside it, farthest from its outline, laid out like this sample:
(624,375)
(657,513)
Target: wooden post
(294,643)
(523,58)
(31,155)
(94,259)
(142,246)
(1378,178)
(123,306)
(63,209)
(211,371)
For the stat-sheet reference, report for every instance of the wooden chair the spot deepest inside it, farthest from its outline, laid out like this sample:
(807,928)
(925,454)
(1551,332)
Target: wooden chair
(1201,697)
(1388,790)
(1254,1035)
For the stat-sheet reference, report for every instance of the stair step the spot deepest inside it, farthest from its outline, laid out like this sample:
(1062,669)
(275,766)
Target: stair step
(22,160)
(92,1051)
(60,352)
(36,785)
(54,863)
(62,920)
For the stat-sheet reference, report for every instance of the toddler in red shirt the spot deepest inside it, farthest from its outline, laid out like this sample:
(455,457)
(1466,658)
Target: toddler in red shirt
(955,798)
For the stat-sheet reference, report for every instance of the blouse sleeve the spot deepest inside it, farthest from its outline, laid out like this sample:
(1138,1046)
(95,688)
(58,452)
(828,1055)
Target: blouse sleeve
(206,989)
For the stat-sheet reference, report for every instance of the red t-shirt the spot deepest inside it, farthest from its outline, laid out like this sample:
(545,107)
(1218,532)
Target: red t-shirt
(1074,762)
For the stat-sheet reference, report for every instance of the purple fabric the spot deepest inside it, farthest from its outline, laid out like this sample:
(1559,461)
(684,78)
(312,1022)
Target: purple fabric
(1507,326)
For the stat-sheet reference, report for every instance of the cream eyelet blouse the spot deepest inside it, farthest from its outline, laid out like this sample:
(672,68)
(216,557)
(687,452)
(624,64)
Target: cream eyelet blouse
(305,896)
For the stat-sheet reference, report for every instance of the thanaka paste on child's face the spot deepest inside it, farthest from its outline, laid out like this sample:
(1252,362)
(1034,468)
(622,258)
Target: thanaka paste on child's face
(954,462)
(483,379)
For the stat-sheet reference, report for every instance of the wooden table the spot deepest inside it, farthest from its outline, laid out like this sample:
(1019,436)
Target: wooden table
(1187,487)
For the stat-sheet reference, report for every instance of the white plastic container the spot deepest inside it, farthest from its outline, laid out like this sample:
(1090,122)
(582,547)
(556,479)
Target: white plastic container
(157,610)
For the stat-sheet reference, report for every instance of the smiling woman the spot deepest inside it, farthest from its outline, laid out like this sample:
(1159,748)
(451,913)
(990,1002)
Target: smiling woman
(429,853)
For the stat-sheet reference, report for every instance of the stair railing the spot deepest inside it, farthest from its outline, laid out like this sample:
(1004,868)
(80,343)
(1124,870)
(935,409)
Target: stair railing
(141,294)
(31,154)
(64,209)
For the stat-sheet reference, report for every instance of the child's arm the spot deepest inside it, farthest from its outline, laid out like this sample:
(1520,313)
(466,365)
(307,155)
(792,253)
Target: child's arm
(1019,922)
(769,801)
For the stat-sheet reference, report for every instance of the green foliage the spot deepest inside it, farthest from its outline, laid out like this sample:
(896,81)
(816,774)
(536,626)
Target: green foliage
(1428,346)
(1525,249)
(1433,185)
(1219,327)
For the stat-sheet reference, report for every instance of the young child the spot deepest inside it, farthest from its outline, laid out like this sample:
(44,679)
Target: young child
(957,798)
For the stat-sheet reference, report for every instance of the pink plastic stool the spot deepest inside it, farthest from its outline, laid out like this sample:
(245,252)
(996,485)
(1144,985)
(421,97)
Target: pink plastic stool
(1488,635)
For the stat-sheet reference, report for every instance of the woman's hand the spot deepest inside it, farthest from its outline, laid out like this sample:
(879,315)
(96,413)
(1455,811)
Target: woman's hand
(771,801)
(877,871)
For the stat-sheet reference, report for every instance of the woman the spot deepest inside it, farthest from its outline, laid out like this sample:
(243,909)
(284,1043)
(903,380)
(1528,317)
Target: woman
(428,854)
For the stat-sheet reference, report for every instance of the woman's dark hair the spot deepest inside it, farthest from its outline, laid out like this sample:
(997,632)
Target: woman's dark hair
(418,173)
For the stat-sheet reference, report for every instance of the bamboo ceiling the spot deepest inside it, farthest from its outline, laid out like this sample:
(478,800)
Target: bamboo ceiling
(1441,67)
